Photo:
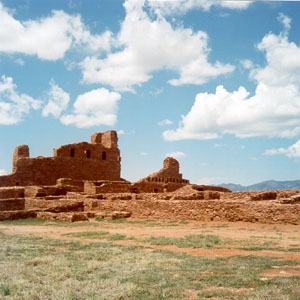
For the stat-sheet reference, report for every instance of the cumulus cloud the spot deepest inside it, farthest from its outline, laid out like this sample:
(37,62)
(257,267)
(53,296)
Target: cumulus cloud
(14,105)
(49,37)
(164,122)
(167,7)
(273,111)
(293,151)
(58,101)
(164,47)
(94,108)
(2,172)
(177,154)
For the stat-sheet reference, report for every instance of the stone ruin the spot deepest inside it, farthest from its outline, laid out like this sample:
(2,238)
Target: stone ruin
(98,160)
(83,180)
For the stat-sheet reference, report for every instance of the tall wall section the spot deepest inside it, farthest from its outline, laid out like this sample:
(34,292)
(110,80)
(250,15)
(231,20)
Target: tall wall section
(98,160)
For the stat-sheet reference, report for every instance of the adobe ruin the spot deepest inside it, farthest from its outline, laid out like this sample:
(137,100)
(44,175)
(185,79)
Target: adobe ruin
(98,160)
(82,181)
(168,174)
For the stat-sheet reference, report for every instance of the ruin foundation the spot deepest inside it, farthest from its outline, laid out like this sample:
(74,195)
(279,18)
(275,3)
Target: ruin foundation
(82,181)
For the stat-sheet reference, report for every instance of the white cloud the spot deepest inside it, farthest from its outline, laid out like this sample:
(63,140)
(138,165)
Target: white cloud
(177,49)
(156,92)
(273,111)
(167,7)
(143,153)
(121,132)
(247,64)
(235,4)
(208,180)
(13,105)
(2,172)
(94,108)
(164,122)
(285,20)
(58,101)
(19,61)
(293,151)
(49,37)
(177,154)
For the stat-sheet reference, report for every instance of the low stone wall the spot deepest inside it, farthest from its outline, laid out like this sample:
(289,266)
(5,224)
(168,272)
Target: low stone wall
(202,210)
(62,205)
(12,204)
(11,192)
(15,215)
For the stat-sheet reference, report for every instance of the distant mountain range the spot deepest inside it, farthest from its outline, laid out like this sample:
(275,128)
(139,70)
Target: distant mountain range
(264,186)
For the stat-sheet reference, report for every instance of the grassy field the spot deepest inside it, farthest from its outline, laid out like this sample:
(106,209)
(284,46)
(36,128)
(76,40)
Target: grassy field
(146,260)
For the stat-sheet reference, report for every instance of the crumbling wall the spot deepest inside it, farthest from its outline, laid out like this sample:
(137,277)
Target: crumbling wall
(203,210)
(168,174)
(97,187)
(99,160)
(20,151)
(12,204)
(11,192)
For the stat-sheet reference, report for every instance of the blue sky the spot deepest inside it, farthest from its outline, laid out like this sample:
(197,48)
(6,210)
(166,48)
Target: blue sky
(215,84)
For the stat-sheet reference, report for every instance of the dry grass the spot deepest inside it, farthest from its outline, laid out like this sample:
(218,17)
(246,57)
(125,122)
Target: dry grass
(34,267)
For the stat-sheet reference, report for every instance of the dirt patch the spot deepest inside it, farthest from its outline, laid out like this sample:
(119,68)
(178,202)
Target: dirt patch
(284,236)
(282,271)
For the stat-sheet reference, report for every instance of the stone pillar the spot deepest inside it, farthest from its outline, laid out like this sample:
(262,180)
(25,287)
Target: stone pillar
(20,152)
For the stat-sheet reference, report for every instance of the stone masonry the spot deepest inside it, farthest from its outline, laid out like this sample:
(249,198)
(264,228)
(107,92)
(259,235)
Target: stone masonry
(98,160)
(82,181)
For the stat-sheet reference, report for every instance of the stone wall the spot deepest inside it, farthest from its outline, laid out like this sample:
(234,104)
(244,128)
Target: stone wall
(97,187)
(99,160)
(202,210)
(168,174)
(12,204)
(11,192)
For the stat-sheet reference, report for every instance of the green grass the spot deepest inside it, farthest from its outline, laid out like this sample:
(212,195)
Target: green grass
(196,241)
(117,237)
(97,235)
(40,222)
(5,289)
(266,237)
(183,222)
(29,221)
(220,226)
(89,234)
(42,268)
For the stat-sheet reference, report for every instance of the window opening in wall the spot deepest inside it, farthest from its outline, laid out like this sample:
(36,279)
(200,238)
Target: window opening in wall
(72,152)
(103,155)
(17,183)
(155,190)
(87,153)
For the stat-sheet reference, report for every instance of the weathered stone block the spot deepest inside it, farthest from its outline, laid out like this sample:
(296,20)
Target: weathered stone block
(11,192)
(268,195)
(15,215)
(12,204)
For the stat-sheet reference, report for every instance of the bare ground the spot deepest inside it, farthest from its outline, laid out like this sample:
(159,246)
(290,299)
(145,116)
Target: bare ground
(284,237)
